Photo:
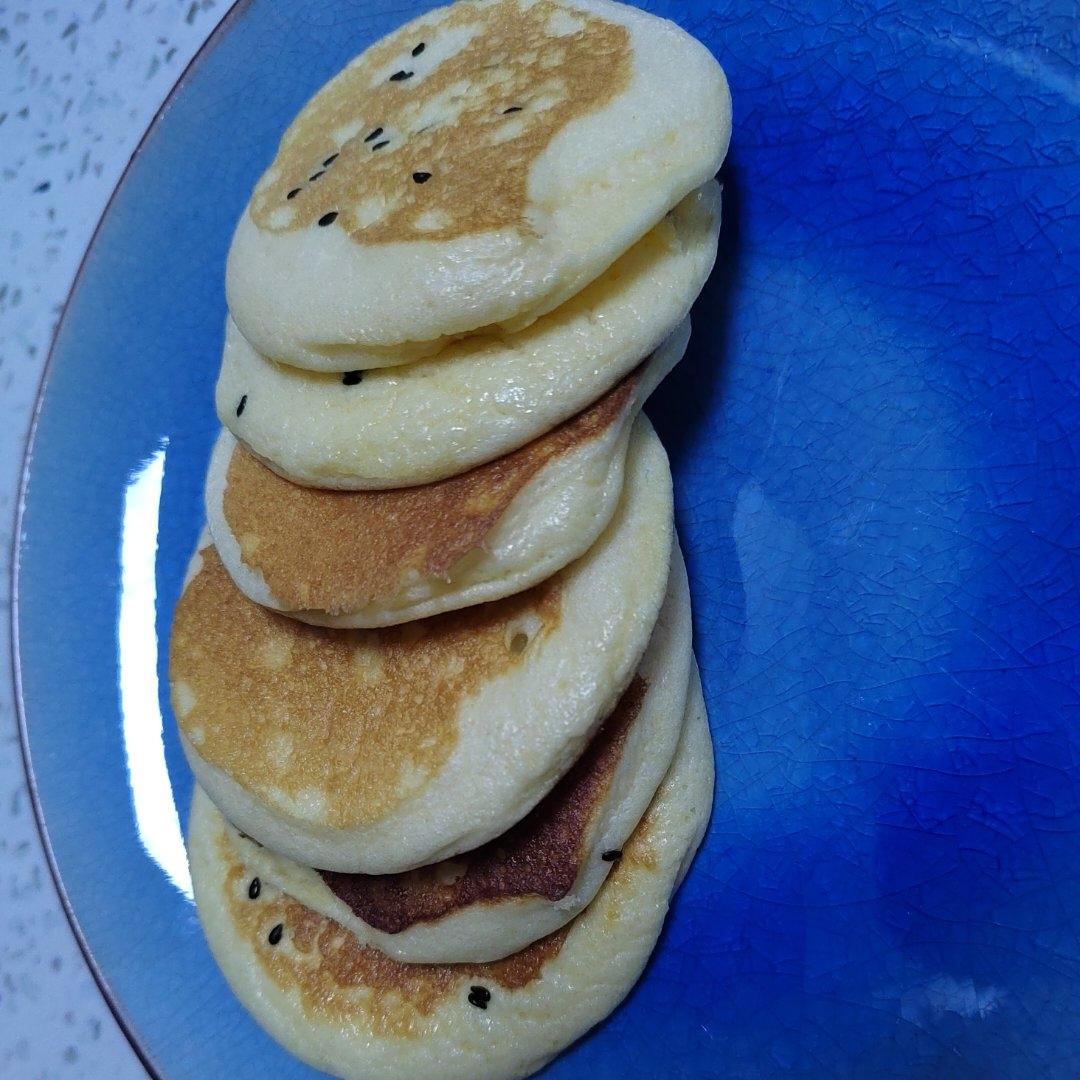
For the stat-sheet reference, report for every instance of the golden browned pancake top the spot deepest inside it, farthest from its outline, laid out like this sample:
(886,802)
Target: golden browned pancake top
(541,855)
(341,551)
(352,722)
(339,978)
(471,128)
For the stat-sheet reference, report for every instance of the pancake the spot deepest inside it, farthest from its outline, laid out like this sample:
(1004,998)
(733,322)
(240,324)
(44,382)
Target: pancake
(376,558)
(348,1009)
(370,751)
(481,397)
(534,878)
(481,180)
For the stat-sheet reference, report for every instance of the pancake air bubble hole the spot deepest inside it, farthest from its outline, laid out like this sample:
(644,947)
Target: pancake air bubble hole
(521,632)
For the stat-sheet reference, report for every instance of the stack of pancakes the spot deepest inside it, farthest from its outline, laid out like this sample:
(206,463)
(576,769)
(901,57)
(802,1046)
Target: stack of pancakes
(432,663)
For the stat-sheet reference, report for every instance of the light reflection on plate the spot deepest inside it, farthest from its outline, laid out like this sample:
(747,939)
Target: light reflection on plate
(156,816)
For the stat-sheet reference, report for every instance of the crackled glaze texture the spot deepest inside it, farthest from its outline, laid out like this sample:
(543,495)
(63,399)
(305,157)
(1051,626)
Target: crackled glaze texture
(874,441)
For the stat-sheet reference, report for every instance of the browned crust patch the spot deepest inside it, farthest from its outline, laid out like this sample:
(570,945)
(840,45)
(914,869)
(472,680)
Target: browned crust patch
(343,551)
(540,856)
(350,722)
(340,980)
(339,977)
(448,121)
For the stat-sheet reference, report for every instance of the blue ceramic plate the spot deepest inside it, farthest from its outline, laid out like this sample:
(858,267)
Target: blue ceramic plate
(875,440)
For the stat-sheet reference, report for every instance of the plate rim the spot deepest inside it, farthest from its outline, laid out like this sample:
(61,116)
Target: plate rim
(127,1027)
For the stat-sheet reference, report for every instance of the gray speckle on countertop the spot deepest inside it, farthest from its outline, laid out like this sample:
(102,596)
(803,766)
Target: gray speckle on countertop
(79,82)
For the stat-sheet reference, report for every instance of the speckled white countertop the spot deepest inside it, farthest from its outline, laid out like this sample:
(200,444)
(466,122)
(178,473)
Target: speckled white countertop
(79,83)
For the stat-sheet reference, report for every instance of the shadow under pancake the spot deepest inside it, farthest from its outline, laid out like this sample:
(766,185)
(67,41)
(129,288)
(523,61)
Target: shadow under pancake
(686,400)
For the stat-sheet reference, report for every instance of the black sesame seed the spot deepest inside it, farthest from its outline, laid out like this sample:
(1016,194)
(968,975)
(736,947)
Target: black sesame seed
(351,378)
(316,175)
(612,856)
(241,406)
(380,145)
(254,889)
(513,108)
(401,76)
(421,177)
(479,996)
(292,194)
(275,935)
(374,135)
(419,49)
(328,219)
(330,160)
